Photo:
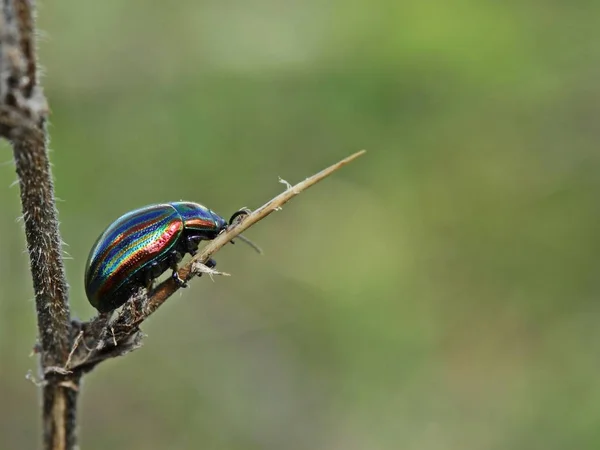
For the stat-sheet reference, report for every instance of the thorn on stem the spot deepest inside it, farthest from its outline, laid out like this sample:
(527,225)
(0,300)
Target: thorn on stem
(288,186)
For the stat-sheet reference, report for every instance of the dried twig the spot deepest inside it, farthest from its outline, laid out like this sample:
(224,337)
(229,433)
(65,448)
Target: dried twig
(124,329)
(23,114)
(68,348)
(167,288)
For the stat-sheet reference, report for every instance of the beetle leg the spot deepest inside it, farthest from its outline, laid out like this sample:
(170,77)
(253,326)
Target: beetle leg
(180,281)
(176,257)
(192,245)
(156,270)
(174,260)
(151,273)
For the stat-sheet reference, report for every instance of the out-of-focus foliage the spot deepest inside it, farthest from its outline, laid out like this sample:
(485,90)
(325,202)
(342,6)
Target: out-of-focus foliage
(440,293)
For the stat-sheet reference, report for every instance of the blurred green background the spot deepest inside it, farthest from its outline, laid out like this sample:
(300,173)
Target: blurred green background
(439,293)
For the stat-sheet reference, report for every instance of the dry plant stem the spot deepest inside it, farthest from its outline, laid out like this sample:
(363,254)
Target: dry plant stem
(43,242)
(70,349)
(168,287)
(105,337)
(23,113)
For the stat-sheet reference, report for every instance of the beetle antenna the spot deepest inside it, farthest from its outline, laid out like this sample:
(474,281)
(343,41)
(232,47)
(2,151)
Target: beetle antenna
(247,241)
(238,215)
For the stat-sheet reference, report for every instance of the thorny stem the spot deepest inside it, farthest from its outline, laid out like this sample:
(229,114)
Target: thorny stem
(23,114)
(70,349)
(168,287)
(105,339)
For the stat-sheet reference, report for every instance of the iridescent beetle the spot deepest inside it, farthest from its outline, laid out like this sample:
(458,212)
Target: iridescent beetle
(141,245)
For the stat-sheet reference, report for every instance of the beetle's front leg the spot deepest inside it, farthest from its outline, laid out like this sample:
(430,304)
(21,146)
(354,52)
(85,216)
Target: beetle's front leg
(191,244)
(180,281)
(176,257)
(150,275)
